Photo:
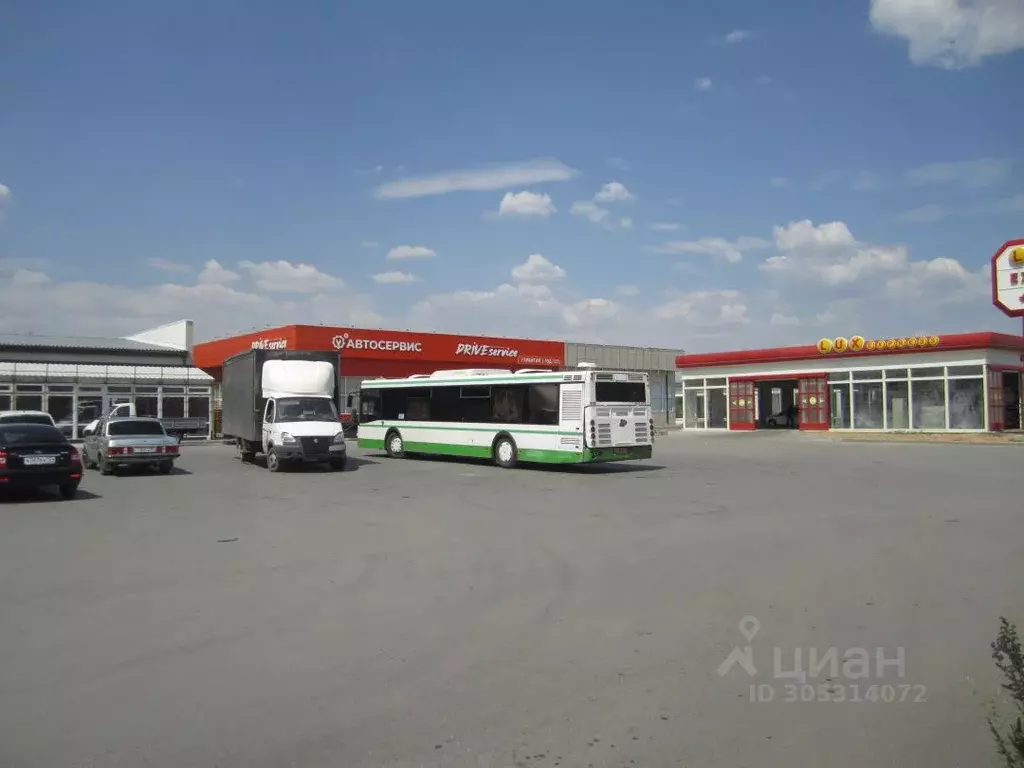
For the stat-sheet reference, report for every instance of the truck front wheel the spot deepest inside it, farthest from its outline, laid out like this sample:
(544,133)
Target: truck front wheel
(273,463)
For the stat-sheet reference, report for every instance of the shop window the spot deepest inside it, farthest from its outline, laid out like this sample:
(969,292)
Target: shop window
(173,390)
(966,404)
(868,405)
(679,407)
(199,407)
(929,411)
(62,388)
(5,402)
(839,376)
(60,407)
(717,408)
(897,405)
(147,405)
(963,370)
(693,383)
(926,373)
(146,390)
(716,382)
(173,407)
(28,388)
(119,390)
(840,395)
(867,375)
(693,413)
(895,373)
(28,402)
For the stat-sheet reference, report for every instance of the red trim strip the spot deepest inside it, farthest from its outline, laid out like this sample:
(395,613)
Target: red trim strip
(959,341)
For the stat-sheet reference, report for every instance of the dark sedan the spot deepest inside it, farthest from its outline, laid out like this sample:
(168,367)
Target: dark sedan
(37,455)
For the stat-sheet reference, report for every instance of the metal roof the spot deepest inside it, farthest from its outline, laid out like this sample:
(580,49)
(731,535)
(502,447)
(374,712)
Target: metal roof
(91,343)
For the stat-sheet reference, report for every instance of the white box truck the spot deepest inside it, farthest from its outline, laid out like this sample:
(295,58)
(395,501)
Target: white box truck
(284,404)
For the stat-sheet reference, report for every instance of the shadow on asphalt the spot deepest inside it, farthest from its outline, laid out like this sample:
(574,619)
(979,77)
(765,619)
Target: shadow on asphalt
(353,464)
(43,495)
(135,471)
(597,468)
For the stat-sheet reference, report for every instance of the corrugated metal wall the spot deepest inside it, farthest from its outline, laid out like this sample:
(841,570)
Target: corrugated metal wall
(658,364)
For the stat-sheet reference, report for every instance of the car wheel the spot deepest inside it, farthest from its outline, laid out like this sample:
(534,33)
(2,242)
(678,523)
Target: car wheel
(165,467)
(771,422)
(339,464)
(273,463)
(106,468)
(68,490)
(505,453)
(394,445)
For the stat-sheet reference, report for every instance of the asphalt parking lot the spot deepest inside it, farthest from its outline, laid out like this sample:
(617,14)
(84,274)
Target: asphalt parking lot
(442,613)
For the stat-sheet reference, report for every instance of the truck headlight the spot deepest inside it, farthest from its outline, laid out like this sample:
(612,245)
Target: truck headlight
(340,438)
(287,439)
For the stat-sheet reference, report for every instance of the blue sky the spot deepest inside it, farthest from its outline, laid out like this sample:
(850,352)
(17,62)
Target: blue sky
(706,176)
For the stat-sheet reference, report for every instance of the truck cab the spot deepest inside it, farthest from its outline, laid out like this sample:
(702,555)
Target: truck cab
(299,428)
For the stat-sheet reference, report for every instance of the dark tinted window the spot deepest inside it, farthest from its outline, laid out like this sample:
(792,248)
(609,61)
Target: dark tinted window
(543,404)
(25,418)
(508,405)
(25,434)
(135,427)
(621,392)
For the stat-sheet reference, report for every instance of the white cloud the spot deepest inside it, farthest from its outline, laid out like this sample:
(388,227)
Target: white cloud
(478,179)
(703,309)
(665,226)
(925,214)
(982,172)
(614,192)
(782,319)
(942,279)
(779,181)
(952,34)
(865,181)
(166,265)
(5,193)
(720,248)
(526,204)
(36,302)
(286,277)
(702,83)
(625,223)
(394,277)
(829,254)
(738,36)
(23,277)
(411,252)
(369,243)
(537,269)
(214,274)
(627,290)
(590,210)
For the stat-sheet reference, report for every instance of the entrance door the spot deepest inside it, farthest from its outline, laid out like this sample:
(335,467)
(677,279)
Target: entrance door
(813,403)
(741,405)
(996,406)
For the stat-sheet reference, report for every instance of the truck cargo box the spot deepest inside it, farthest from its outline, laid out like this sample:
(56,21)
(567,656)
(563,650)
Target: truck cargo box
(242,391)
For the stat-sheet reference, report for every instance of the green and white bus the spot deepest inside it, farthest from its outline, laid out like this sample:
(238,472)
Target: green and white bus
(529,415)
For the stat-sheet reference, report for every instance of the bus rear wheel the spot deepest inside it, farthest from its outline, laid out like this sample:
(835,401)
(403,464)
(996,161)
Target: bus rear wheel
(505,453)
(394,445)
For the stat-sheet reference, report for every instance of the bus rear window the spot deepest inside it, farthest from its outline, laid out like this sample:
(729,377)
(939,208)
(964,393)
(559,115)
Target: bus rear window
(620,392)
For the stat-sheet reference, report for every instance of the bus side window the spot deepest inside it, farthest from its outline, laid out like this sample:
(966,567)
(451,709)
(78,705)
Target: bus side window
(508,404)
(542,404)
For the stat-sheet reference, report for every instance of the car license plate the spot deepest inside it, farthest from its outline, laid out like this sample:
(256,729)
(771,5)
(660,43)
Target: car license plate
(36,461)
(620,451)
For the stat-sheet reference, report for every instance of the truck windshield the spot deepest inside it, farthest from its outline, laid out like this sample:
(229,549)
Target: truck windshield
(620,392)
(306,409)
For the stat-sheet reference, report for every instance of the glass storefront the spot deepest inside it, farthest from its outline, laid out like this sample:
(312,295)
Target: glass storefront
(702,404)
(928,398)
(73,406)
